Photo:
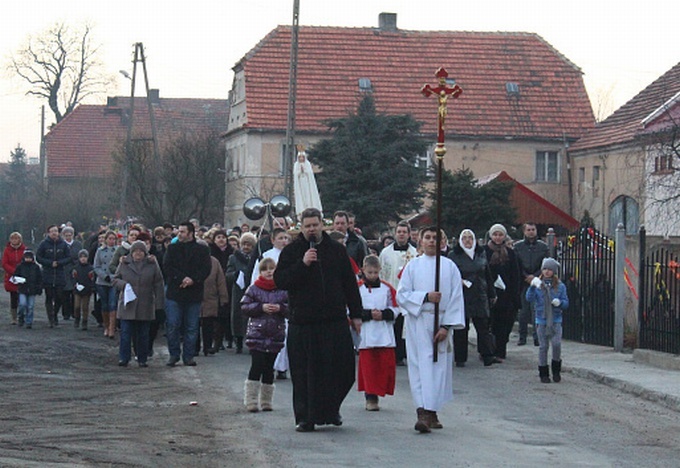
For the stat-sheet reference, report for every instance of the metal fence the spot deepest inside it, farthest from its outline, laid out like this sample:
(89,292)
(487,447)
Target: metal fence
(659,303)
(587,259)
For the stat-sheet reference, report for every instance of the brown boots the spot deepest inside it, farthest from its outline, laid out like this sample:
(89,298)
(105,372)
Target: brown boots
(423,423)
(427,420)
(109,324)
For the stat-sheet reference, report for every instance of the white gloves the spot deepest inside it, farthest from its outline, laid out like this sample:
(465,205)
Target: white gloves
(556,302)
(536,282)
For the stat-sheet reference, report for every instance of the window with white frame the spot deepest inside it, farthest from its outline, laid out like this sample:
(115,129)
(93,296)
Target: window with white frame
(425,161)
(547,166)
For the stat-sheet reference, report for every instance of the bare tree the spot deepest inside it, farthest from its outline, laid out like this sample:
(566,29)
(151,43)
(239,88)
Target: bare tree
(62,66)
(603,105)
(188,183)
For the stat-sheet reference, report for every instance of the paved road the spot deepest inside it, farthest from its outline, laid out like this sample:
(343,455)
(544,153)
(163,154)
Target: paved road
(66,402)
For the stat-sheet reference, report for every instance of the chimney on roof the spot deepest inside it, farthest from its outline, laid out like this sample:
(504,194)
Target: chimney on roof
(154,96)
(387,21)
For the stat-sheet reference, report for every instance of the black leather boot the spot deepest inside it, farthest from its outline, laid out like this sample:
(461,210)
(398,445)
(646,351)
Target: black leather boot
(544,374)
(556,370)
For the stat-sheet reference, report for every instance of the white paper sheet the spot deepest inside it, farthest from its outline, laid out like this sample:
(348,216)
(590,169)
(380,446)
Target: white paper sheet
(129,294)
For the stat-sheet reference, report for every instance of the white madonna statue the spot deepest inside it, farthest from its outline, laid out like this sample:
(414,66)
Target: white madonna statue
(304,184)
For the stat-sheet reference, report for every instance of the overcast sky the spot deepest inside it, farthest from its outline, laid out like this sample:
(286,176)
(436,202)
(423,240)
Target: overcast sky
(621,46)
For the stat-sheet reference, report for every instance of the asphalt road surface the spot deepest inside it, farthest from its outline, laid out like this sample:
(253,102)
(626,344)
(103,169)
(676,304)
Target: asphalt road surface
(65,402)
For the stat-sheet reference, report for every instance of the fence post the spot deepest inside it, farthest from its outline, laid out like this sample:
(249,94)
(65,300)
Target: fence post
(642,285)
(619,286)
(551,241)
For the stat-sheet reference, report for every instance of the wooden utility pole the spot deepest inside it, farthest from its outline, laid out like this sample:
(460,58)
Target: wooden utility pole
(138,57)
(290,153)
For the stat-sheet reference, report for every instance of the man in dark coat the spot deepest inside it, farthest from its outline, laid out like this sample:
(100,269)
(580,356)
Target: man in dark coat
(530,254)
(186,267)
(53,254)
(321,285)
(356,247)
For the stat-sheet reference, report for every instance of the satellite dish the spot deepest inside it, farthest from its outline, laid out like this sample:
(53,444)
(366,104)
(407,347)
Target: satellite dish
(280,206)
(254,208)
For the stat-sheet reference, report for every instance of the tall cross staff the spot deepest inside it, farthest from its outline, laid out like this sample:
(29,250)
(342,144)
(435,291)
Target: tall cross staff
(443,92)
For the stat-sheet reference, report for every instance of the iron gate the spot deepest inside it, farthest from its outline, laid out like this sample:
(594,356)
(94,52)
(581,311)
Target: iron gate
(659,306)
(587,259)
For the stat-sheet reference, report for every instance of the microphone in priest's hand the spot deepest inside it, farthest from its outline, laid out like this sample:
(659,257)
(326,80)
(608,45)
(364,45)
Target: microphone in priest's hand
(312,245)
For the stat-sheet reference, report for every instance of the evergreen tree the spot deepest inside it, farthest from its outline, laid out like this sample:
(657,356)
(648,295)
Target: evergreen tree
(20,193)
(369,166)
(469,205)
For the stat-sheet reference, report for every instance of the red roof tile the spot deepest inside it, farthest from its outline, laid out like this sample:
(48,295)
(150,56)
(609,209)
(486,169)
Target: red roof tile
(83,142)
(552,102)
(624,125)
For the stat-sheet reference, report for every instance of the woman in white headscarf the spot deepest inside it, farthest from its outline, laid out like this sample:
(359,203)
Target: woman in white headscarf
(304,185)
(478,294)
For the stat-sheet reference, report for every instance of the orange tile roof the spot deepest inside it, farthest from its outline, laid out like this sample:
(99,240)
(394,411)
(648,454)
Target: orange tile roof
(83,142)
(626,122)
(552,104)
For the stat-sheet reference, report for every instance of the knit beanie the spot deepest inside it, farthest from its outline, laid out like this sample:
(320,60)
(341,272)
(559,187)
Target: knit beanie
(498,228)
(551,264)
(29,253)
(138,245)
(83,253)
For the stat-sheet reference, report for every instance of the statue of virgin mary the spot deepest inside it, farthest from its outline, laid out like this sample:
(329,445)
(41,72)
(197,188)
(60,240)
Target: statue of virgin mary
(304,184)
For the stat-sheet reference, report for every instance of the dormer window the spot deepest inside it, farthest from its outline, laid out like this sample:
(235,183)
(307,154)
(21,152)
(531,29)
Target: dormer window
(365,85)
(512,89)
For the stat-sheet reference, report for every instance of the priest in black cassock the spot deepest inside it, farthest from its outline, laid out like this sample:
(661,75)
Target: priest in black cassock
(321,285)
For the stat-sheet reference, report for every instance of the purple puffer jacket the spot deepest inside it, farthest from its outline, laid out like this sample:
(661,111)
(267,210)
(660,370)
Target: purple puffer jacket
(265,332)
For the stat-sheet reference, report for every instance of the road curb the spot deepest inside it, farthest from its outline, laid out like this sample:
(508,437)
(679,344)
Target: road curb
(664,399)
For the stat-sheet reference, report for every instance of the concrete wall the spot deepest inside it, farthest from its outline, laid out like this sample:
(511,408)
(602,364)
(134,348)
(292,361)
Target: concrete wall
(517,158)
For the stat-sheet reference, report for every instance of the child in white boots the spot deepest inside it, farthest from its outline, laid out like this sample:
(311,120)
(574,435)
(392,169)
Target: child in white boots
(267,307)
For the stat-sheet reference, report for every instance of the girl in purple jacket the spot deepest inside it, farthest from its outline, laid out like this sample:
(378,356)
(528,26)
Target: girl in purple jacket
(267,307)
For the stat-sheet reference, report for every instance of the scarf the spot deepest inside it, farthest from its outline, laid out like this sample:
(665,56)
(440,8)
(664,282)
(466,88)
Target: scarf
(471,251)
(547,301)
(500,253)
(265,284)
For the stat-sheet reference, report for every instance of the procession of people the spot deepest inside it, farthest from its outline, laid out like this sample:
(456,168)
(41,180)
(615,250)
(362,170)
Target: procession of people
(308,305)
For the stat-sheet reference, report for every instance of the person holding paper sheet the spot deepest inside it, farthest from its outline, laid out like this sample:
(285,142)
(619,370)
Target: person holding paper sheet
(140,280)
(505,274)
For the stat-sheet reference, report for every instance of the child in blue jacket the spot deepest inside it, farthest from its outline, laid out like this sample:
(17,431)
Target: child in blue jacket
(549,297)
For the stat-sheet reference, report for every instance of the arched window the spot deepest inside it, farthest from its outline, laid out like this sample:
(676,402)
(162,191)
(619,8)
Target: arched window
(624,210)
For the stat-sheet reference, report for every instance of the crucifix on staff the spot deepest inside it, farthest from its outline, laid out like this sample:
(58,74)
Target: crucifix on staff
(443,91)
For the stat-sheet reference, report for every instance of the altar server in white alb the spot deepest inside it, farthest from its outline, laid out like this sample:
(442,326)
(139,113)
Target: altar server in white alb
(377,367)
(431,382)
